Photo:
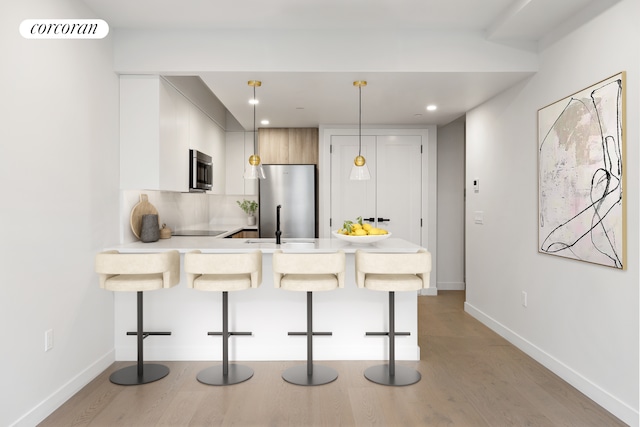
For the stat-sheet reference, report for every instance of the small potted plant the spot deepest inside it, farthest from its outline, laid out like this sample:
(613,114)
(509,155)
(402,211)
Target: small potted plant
(249,207)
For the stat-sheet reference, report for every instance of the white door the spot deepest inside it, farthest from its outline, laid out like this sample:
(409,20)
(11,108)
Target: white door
(399,186)
(392,199)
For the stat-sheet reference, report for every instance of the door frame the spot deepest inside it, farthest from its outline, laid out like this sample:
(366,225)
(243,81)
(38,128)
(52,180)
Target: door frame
(429,179)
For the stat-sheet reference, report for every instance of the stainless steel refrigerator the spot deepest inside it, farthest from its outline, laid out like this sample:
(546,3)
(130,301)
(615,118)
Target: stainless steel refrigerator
(293,187)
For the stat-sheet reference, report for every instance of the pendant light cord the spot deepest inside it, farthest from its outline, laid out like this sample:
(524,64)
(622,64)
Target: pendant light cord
(255,131)
(359,120)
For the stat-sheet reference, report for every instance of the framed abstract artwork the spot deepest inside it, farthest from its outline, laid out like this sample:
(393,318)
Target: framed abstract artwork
(581,175)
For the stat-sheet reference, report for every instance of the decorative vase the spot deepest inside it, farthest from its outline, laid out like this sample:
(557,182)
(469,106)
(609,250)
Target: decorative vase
(150,231)
(251,220)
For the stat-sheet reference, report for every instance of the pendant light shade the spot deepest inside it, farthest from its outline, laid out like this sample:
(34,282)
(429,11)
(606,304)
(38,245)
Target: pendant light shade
(254,170)
(360,170)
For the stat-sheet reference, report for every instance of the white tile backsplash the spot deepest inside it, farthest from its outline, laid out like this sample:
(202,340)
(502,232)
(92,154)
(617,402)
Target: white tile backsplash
(183,211)
(225,209)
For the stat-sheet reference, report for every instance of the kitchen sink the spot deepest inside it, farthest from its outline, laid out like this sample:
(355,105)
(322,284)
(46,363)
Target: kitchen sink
(284,242)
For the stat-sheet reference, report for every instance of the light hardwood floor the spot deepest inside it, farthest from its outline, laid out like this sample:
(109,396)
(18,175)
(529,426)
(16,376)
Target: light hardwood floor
(470,377)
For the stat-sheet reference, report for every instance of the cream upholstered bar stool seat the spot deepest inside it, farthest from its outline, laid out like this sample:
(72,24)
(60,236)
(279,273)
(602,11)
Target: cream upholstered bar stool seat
(224,273)
(138,273)
(396,272)
(309,272)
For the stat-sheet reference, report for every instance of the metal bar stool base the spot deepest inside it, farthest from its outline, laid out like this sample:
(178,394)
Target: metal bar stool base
(214,375)
(380,374)
(320,375)
(129,376)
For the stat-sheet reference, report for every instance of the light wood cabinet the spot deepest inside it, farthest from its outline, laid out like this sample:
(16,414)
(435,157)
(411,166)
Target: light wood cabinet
(245,234)
(288,145)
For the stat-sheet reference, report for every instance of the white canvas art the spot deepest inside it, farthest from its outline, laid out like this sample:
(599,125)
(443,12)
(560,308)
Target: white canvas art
(581,175)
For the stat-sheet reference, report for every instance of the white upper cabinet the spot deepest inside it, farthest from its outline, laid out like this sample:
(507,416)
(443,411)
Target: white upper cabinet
(206,136)
(154,135)
(158,126)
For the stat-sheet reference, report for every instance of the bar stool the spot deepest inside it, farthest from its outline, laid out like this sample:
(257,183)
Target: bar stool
(224,273)
(309,273)
(138,273)
(392,273)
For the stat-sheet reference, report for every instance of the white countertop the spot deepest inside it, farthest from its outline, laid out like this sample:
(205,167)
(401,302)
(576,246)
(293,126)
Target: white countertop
(207,244)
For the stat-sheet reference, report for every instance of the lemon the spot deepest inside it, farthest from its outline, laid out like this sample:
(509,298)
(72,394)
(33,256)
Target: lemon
(359,228)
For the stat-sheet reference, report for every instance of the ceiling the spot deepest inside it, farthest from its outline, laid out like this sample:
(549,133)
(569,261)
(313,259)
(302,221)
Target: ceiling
(307,99)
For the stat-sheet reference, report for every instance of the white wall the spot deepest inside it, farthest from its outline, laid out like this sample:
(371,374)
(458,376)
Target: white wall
(450,246)
(59,189)
(582,319)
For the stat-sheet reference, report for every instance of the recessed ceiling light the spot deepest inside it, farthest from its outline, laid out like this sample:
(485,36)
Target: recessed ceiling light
(253,101)
(299,108)
(417,115)
(264,122)
(431,107)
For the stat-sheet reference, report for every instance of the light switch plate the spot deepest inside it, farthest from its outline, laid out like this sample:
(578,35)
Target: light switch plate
(478,217)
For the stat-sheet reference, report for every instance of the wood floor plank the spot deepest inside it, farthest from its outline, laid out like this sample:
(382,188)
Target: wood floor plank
(471,377)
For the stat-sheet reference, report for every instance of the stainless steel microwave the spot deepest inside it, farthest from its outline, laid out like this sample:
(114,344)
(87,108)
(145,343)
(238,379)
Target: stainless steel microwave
(200,171)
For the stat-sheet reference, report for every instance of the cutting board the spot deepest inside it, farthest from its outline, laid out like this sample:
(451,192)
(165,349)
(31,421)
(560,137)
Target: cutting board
(143,207)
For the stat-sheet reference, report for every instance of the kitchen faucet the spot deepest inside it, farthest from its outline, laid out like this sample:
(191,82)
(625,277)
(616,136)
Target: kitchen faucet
(278,232)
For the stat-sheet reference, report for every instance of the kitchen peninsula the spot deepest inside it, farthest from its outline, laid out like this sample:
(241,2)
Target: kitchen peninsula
(267,312)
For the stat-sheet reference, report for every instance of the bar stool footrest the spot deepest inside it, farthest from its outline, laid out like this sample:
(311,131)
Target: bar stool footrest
(146,334)
(403,376)
(378,334)
(230,333)
(326,334)
(129,376)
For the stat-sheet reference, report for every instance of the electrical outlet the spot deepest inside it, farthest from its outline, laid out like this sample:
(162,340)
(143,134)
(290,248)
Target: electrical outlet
(48,339)
(524,299)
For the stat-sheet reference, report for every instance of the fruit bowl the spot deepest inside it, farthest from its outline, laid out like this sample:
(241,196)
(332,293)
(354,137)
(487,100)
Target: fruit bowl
(361,239)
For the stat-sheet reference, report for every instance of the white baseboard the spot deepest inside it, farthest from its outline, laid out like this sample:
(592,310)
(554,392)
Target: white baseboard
(609,402)
(428,291)
(451,286)
(58,397)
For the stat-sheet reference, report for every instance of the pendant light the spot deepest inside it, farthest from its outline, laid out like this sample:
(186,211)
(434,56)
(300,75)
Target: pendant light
(360,170)
(254,169)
